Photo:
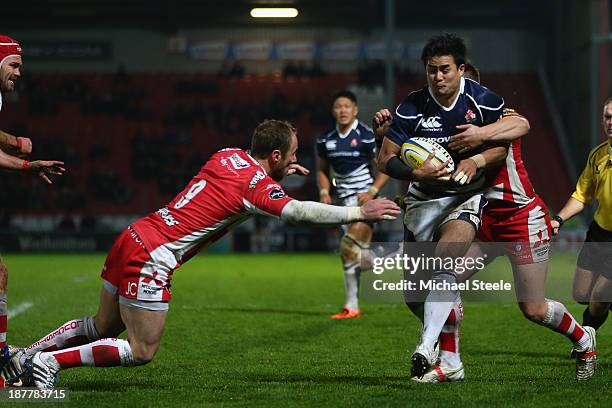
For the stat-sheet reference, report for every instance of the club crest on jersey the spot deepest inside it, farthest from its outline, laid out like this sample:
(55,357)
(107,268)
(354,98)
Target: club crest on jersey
(354,143)
(277,194)
(257,177)
(470,116)
(430,124)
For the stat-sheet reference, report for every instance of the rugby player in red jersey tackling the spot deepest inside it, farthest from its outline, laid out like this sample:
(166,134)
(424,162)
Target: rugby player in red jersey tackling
(231,187)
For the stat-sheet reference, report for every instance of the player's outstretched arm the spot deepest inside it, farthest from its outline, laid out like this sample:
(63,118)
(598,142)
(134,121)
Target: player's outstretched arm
(19,146)
(11,162)
(310,212)
(506,129)
(44,168)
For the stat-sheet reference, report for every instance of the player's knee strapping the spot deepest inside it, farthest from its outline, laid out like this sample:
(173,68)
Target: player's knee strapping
(351,247)
(90,329)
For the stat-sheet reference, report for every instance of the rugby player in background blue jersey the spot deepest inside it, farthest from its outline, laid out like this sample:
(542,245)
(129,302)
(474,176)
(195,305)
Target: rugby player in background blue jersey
(349,151)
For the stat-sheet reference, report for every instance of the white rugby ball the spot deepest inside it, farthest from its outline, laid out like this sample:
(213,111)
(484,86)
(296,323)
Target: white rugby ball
(416,150)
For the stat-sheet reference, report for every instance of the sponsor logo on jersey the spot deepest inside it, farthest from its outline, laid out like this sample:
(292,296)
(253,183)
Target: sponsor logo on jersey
(444,139)
(225,164)
(238,162)
(167,217)
(470,116)
(272,185)
(277,194)
(430,124)
(257,177)
(330,145)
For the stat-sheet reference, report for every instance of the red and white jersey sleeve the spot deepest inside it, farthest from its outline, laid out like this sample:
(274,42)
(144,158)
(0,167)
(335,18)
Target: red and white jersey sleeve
(509,185)
(229,188)
(266,196)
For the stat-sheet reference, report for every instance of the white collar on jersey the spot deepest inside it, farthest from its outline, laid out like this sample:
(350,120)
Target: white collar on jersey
(0,101)
(255,161)
(353,127)
(450,108)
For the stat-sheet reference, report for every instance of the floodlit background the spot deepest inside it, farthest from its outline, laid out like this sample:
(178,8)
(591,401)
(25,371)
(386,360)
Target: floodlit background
(135,95)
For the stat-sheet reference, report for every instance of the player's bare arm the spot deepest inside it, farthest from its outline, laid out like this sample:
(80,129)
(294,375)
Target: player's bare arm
(506,129)
(310,212)
(323,181)
(467,168)
(14,144)
(44,168)
(571,208)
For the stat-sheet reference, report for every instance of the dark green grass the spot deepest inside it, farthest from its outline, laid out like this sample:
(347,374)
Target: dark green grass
(253,330)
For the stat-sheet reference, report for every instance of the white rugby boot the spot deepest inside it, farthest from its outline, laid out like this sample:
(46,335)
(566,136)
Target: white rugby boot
(586,360)
(44,371)
(440,373)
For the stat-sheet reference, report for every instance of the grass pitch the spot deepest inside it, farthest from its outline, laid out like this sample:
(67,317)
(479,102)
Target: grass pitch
(253,330)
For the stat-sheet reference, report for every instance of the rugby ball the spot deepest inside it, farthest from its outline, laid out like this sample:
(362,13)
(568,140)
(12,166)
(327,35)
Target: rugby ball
(416,150)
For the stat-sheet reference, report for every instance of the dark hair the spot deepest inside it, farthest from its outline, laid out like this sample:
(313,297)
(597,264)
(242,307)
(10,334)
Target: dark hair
(445,44)
(271,135)
(344,94)
(471,72)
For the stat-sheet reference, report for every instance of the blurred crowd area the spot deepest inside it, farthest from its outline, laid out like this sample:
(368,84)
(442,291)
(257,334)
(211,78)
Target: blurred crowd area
(132,141)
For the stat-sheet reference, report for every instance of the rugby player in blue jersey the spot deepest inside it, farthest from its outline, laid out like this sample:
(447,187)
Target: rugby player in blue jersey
(439,209)
(349,151)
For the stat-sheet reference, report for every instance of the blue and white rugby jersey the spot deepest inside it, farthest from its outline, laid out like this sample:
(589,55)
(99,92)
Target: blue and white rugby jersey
(420,115)
(349,156)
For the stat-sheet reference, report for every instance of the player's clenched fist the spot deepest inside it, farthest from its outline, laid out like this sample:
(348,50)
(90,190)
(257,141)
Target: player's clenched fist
(23,145)
(381,122)
(380,209)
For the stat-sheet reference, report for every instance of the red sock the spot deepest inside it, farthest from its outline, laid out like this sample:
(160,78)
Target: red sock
(449,337)
(559,319)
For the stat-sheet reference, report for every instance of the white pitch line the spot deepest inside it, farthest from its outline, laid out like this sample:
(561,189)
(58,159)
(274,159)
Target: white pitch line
(19,309)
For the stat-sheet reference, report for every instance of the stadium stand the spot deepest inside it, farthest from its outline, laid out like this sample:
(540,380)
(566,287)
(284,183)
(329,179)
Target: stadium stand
(147,125)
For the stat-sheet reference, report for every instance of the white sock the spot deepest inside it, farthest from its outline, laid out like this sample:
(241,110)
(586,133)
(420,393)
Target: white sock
(351,284)
(438,305)
(69,334)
